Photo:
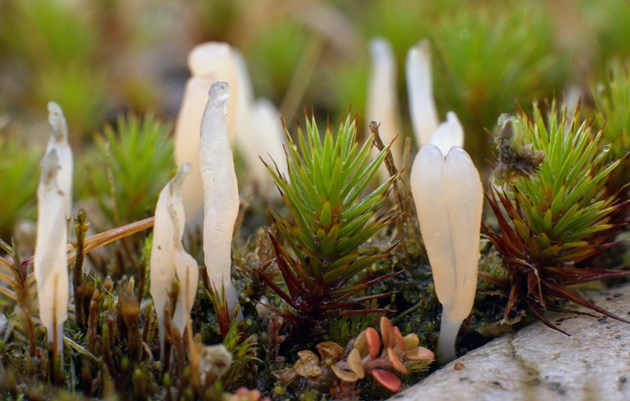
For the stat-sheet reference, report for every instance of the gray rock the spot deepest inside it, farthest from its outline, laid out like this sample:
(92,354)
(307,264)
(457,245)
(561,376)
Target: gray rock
(538,363)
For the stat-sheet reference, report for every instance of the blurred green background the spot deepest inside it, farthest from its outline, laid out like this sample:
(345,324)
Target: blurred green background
(102,59)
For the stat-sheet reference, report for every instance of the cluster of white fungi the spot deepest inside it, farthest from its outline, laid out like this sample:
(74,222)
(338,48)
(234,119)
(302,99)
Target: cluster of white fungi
(445,184)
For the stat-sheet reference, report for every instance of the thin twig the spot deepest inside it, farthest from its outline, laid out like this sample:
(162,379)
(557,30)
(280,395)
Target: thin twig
(391,168)
(81,228)
(102,239)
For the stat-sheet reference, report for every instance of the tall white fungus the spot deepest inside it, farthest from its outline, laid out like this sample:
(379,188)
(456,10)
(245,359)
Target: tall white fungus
(424,117)
(51,260)
(59,141)
(186,268)
(54,205)
(220,189)
(169,260)
(208,63)
(449,199)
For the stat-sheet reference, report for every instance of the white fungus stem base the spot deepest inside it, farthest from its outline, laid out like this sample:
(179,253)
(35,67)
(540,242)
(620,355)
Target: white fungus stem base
(446,340)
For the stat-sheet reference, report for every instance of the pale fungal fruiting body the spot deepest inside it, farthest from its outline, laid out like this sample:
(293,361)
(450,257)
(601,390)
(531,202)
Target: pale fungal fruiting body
(448,195)
(449,133)
(188,275)
(59,141)
(51,260)
(220,189)
(169,260)
(265,139)
(255,125)
(162,272)
(382,97)
(208,63)
(259,132)
(424,117)
(54,205)
(449,199)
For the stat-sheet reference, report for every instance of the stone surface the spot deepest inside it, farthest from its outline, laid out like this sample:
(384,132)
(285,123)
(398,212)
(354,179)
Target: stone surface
(538,363)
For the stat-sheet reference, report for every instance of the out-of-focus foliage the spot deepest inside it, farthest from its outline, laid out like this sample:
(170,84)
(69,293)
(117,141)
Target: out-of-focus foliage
(275,55)
(19,169)
(606,22)
(612,99)
(488,61)
(52,48)
(46,31)
(130,166)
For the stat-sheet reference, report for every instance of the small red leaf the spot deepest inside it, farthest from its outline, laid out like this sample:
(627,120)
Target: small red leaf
(387,379)
(394,359)
(373,341)
(387,332)
(400,340)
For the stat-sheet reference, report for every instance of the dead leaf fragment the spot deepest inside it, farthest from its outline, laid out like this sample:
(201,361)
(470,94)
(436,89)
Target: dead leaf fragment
(329,351)
(344,375)
(355,364)
(308,364)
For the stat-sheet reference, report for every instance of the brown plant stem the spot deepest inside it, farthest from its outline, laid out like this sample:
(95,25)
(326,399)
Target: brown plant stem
(98,240)
(393,172)
(81,228)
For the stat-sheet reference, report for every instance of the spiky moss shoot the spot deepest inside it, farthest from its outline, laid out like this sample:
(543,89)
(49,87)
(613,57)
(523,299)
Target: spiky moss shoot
(556,217)
(331,215)
(129,168)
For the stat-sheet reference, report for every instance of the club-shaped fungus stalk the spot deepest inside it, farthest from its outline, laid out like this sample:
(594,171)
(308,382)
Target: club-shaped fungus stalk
(449,133)
(220,189)
(383,98)
(259,132)
(188,276)
(51,260)
(424,117)
(59,141)
(208,63)
(169,260)
(449,198)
